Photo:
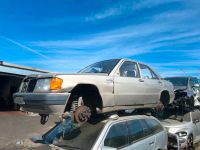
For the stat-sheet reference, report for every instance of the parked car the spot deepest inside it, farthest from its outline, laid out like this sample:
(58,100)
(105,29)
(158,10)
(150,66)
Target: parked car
(185,124)
(196,88)
(105,86)
(185,93)
(137,132)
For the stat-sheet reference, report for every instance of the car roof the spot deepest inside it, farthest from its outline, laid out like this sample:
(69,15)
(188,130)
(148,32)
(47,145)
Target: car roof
(178,77)
(132,117)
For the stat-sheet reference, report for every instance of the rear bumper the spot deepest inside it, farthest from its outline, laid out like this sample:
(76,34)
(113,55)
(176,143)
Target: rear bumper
(42,103)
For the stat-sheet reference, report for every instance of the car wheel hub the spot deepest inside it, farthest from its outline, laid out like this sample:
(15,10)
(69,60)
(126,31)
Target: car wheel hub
(82,114)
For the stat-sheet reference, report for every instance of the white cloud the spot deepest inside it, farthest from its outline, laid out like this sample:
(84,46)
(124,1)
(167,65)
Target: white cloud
(107,13)
(23,46)
(126,7)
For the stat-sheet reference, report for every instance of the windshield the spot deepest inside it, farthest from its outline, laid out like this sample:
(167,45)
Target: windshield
(178,81)
(101,67)
(82,137)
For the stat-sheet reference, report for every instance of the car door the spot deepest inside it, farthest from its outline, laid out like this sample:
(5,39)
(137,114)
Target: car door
(156,129)
(196,124)
(127,87)
(140,137)
(152,85)
(116,137)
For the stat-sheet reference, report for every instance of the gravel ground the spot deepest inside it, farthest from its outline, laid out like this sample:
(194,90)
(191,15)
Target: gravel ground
(16,129)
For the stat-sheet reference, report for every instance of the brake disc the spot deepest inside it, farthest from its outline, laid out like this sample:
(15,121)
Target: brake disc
(82,114)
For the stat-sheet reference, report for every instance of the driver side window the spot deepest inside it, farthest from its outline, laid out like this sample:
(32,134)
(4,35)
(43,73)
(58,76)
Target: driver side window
(129,69)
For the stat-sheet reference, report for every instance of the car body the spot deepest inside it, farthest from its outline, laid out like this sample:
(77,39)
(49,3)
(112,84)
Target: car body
(186,126)
(105,86)
(186,90)
(196,88)
(125,133)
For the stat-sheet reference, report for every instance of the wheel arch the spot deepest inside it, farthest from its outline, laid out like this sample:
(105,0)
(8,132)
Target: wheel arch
(165,97)
(83,88)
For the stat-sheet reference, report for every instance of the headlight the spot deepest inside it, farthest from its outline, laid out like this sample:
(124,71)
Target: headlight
(42,85)
(181,134)
(48,84)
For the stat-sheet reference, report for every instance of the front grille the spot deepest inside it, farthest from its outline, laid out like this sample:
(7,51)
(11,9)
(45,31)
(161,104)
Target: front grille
(28,85)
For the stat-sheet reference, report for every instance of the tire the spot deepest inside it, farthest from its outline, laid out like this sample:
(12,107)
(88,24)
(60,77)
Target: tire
(190,144)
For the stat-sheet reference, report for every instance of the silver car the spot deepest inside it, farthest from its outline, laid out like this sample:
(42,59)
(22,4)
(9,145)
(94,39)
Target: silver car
(186,90)
(105,86)
(186,125)
(137,132)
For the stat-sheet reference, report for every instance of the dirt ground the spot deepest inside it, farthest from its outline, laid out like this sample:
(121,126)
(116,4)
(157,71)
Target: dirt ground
(16,129)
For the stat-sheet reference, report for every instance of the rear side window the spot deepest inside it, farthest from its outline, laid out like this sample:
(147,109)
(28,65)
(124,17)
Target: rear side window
(136,130)
(117,136)
(154,126)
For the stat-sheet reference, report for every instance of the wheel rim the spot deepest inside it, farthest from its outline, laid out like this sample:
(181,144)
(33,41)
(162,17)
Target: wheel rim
(82,114)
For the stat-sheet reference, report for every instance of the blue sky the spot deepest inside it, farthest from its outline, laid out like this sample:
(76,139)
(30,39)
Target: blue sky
(66,35)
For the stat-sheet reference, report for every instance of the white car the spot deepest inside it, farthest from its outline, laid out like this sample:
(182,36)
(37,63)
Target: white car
(186,125)
(105,86)
(137,132)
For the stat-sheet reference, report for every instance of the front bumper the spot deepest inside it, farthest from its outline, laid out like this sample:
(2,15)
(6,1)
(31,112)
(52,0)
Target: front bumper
(181,143)
(42,103)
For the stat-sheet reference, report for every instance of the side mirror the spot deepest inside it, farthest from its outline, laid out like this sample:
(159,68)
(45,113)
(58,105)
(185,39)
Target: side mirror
(196,85)
(107,148)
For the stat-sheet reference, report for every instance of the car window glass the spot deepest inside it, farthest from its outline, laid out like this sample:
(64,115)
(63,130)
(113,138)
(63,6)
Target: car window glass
(117,136)
(147,73)
(129,69)
(135,130)
(154,125)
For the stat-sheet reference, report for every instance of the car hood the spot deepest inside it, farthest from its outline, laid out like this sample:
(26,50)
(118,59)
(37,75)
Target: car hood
(62,74)
(170,123)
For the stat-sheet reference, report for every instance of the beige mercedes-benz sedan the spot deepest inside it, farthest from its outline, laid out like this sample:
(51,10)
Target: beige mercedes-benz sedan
(105,86)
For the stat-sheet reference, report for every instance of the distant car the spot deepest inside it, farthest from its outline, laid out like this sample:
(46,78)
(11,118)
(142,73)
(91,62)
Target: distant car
(196,88)
(137,132)
(184,124)
(105,86)
(185,93)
